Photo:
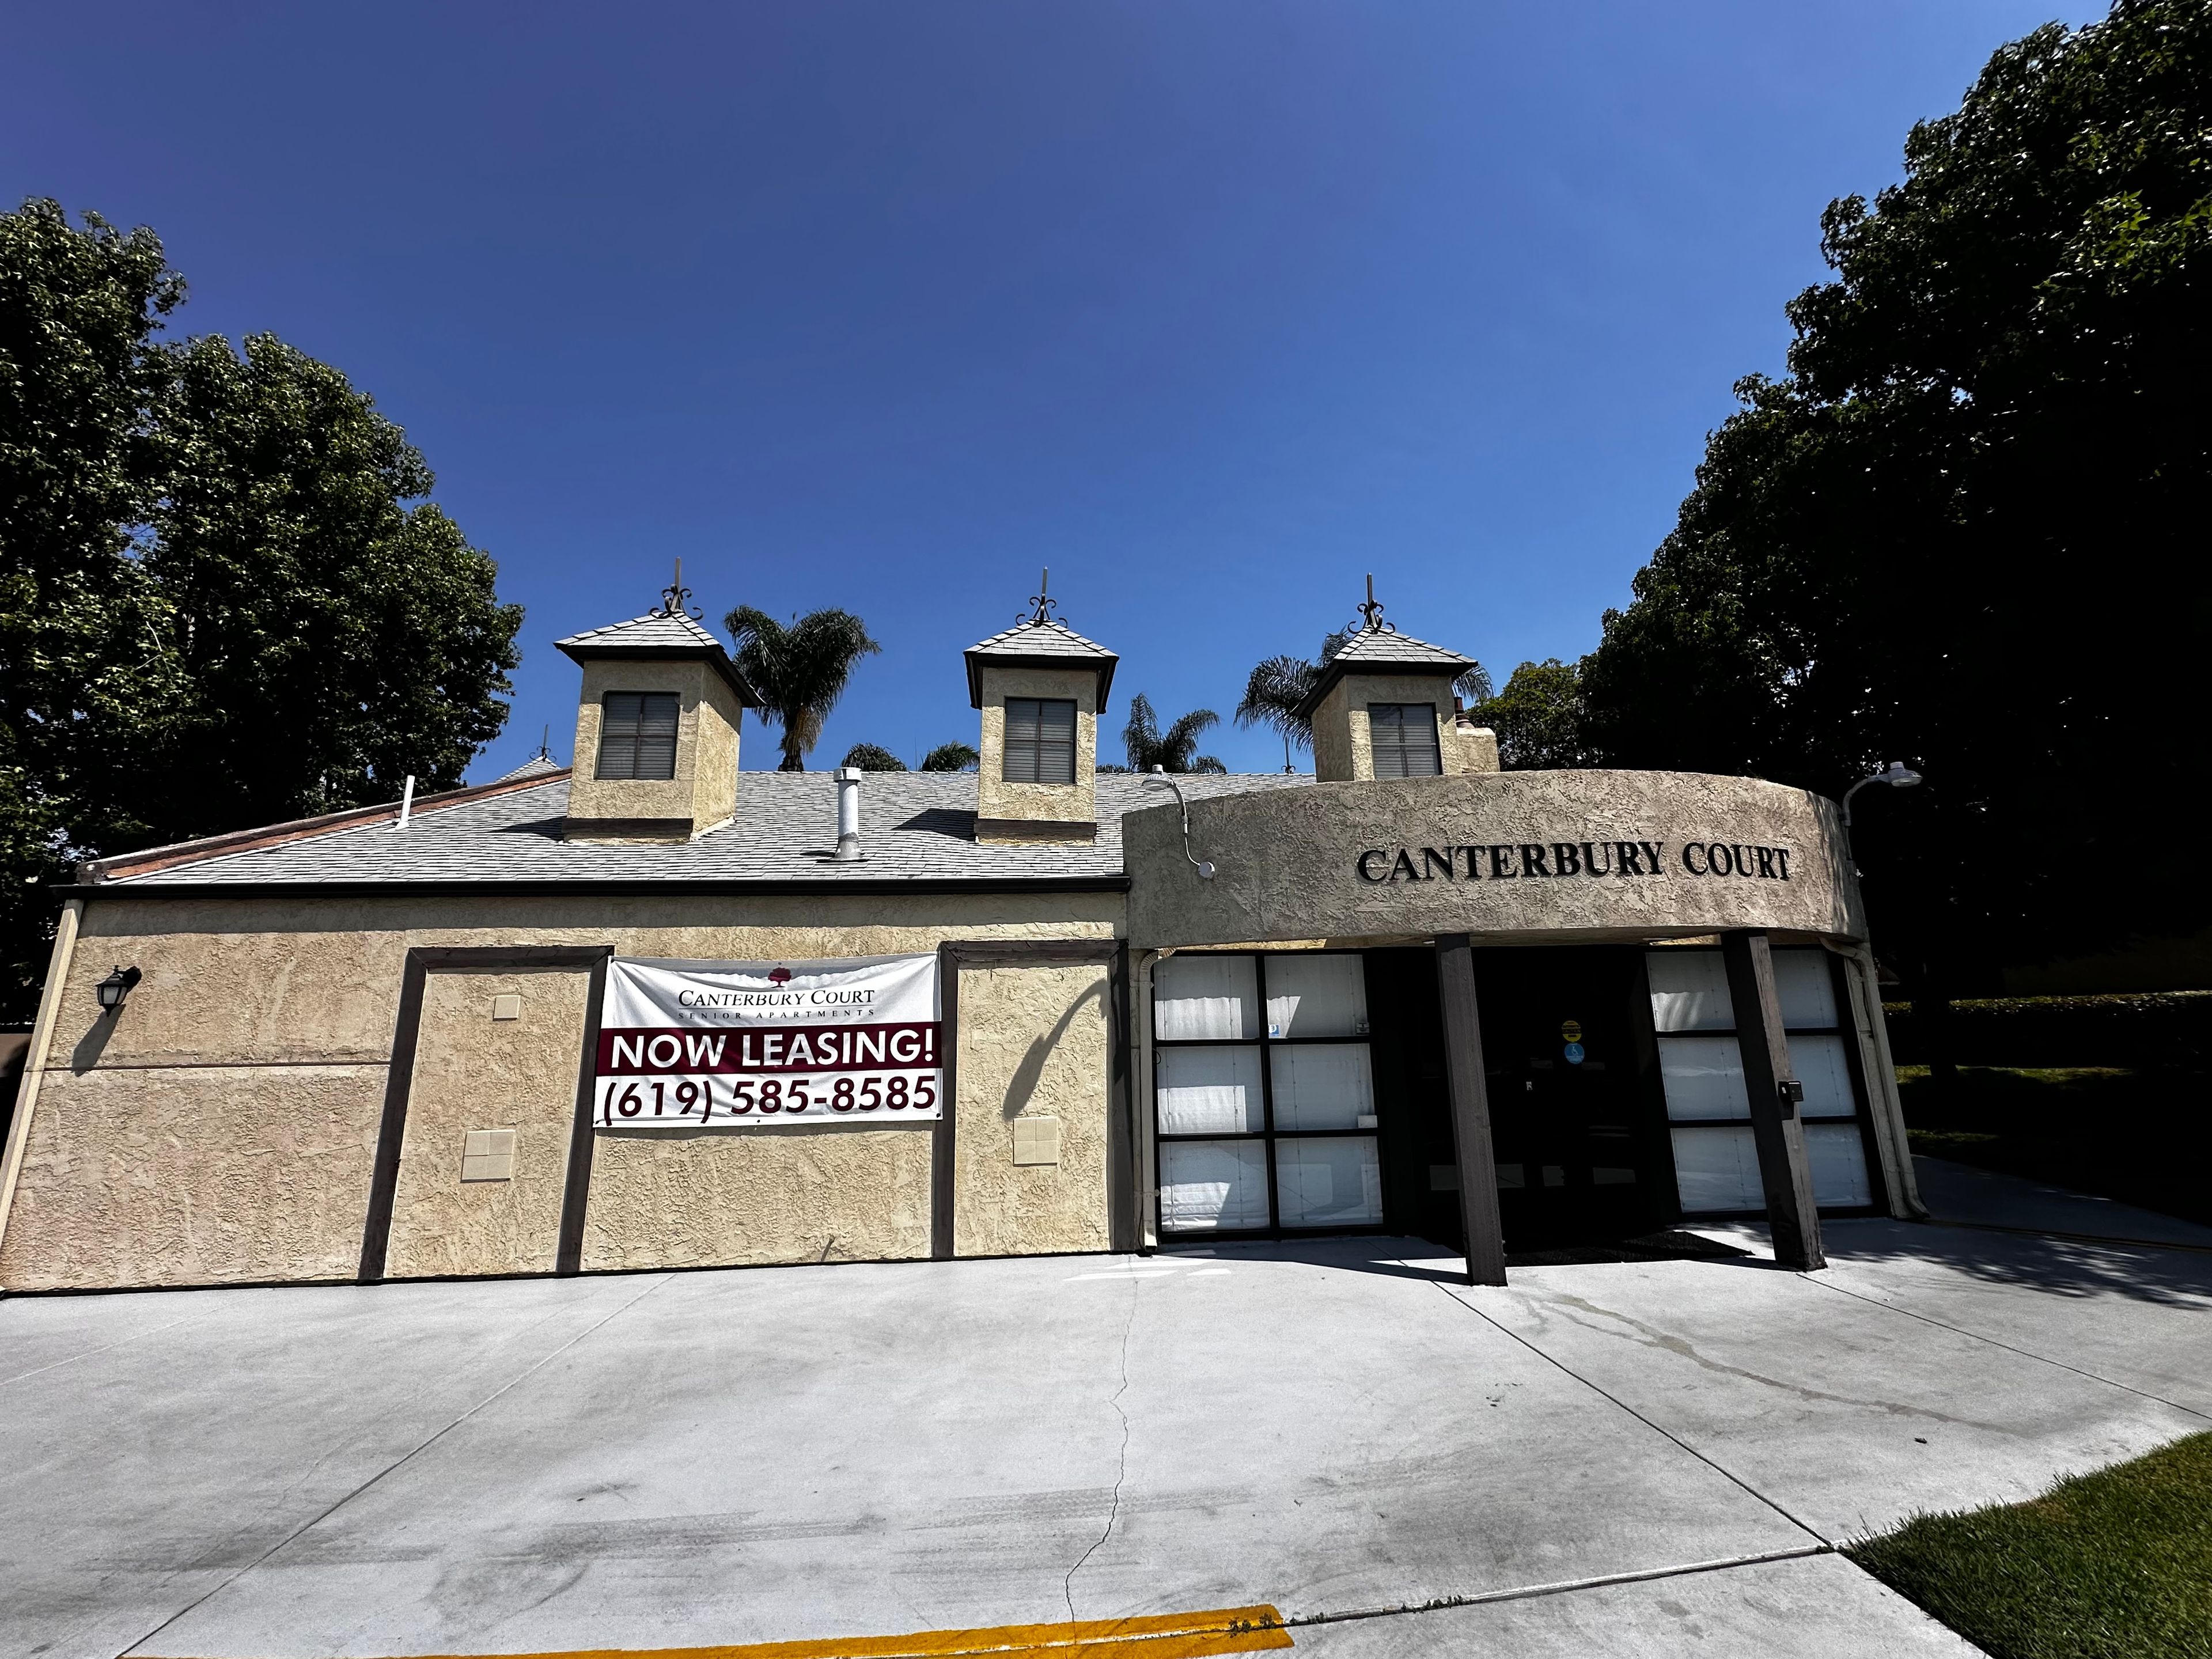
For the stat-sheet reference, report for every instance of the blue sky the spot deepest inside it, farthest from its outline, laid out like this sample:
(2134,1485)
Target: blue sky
(1213,307)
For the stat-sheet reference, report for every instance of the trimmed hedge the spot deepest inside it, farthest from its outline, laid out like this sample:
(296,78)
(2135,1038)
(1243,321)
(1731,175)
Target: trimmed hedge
(2138,1029)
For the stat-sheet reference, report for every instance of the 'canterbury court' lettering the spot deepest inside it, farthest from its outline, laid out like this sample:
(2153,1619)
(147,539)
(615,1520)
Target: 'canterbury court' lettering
(1534,861)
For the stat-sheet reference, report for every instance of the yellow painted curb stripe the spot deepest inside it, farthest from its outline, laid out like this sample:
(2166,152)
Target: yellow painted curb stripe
(1149,1636)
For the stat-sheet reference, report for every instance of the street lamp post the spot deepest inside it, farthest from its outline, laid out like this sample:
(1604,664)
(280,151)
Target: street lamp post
(1897,774)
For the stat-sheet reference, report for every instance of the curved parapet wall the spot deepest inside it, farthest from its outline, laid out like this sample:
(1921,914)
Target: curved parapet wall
(1509,855)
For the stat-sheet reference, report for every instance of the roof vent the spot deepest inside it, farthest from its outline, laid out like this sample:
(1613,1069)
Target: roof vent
(849,814)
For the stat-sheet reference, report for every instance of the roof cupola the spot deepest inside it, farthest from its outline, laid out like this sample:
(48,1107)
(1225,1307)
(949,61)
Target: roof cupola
(1041,687)
(657,726)
(1383,707)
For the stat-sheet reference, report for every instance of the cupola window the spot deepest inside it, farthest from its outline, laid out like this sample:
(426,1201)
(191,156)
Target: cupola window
(1402,738)
(1040,740)
(637,735)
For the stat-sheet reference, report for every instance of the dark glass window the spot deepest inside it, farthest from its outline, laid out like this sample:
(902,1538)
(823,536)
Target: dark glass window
(1402,738)
(637,734)
(1040,740)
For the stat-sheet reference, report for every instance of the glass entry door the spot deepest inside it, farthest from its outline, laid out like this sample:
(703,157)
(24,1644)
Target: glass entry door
(1264,1094)
(1570,1121)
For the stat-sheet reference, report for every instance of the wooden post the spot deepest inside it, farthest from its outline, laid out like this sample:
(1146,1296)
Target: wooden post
(1776,1127)
(944,1187)
(1470,1103)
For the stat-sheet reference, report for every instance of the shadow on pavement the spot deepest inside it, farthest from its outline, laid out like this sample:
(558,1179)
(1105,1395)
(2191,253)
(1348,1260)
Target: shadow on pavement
(1401,1257)
(2062,1266)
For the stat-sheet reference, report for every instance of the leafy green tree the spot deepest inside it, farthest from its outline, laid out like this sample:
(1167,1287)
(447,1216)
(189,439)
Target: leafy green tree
(1965,531)
(217,606)
(363,634)
(1538,718)
(78,685)
(800,670)
(954,757)
(873,757)
(1175,749)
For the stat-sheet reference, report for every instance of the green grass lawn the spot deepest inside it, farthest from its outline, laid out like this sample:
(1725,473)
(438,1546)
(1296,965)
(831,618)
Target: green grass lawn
(2111,1565)
(2142,1136)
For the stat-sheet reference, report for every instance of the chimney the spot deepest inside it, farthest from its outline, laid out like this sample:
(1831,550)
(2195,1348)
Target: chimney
(849,814)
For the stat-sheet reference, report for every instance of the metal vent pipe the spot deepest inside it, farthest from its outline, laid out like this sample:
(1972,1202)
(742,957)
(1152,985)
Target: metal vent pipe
(848,814)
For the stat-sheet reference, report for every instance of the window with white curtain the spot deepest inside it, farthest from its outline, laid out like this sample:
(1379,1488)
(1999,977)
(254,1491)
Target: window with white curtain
(1265,1124)
(1708,1109)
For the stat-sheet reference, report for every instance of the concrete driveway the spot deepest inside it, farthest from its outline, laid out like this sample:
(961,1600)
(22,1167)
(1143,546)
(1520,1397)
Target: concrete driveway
(1651,1458)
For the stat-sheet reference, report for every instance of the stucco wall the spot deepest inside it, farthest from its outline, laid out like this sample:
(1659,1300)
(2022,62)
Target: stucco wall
(1477,747)
(256,979)
(1033,1043)
(201,1175)
(1075,802)
(705,787)
(733,1197)
(1343,752)
(472,1072)
(1288,861)
(257,1019)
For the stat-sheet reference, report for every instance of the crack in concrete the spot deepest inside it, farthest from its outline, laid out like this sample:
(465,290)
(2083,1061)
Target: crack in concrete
(1121,1468)
(90,1353)
(1652,1337)
(1556,1364)
(1827,1284)
(1563,1587)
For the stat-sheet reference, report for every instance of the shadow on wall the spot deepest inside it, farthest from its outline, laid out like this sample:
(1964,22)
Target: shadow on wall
(94,1043)
(1022,1089)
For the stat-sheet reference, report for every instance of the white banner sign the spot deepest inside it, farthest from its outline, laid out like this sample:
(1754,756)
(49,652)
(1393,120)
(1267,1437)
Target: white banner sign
(739,1043)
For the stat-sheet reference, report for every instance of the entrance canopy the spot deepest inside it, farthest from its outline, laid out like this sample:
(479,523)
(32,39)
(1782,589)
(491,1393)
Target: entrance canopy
(1589,856)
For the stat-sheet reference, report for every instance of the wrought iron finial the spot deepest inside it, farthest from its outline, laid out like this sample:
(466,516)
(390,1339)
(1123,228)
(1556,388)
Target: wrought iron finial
(1042,603)
(1372,613)
(676,598)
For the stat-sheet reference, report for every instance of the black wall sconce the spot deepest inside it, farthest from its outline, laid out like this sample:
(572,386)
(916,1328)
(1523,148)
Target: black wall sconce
(117,986)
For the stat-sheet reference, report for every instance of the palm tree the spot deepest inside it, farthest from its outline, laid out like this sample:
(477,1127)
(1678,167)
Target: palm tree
(1175,749)
(954,757)
(799,671)
(873,757)
(1272,697)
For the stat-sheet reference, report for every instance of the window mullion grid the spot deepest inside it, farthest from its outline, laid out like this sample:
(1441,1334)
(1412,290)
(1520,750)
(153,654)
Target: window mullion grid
(1851,1116)
(1266,1086)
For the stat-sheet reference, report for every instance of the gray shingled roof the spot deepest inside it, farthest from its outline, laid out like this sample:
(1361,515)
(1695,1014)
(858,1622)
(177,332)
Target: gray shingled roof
(659,634)
(1045,643)
(914,826)
(1381,651)
(535,766)
(1380,648)
(656,630)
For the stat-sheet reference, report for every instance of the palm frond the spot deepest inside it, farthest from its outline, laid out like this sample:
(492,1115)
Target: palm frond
(1273,693)
(799,670)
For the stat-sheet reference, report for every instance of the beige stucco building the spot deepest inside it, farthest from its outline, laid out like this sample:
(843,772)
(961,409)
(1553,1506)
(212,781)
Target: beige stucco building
(1411,992)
